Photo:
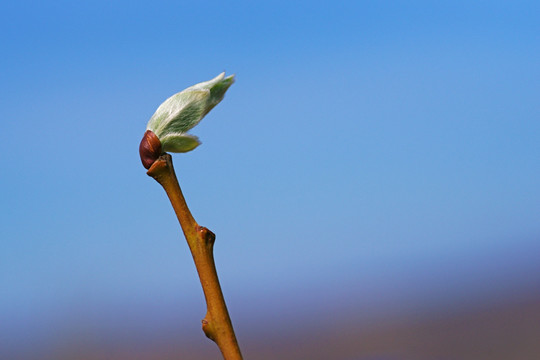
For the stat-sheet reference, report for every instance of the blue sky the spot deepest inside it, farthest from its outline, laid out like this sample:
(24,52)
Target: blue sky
(369,153)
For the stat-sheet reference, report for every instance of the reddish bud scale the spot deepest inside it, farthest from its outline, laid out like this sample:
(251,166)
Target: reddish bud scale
(149,149)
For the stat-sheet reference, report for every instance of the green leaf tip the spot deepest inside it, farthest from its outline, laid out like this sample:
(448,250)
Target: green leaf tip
(182,111)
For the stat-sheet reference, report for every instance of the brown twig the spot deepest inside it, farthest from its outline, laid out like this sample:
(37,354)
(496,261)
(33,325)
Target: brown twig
(216,324)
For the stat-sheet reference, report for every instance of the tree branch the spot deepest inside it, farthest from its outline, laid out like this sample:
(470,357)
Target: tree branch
(216,324)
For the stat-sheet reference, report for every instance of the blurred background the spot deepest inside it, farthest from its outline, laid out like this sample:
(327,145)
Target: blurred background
(372,179)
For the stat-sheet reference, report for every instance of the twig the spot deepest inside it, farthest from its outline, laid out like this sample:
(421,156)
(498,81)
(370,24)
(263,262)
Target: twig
(216,324)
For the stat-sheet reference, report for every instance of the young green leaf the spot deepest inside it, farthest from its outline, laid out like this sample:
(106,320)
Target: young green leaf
(181,112)
(168,127)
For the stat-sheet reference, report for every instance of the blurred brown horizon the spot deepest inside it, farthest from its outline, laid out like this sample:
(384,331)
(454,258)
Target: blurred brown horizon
(505,329)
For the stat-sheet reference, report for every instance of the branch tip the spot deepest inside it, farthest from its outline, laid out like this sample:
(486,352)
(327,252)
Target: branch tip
(149,149)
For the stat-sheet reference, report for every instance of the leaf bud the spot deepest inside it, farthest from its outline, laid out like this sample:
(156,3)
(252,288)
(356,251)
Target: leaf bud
(149,149)
(182,111)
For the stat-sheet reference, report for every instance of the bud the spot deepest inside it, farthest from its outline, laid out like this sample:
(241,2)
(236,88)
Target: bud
(149,149)
(184,110)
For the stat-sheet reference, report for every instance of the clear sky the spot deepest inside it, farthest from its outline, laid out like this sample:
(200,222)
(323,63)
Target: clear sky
(369,153)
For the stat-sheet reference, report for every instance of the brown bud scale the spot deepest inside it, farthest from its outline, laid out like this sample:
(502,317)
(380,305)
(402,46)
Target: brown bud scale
(149,149)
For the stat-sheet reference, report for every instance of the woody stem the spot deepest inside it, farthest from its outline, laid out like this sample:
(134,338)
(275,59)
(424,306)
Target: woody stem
(216,324)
